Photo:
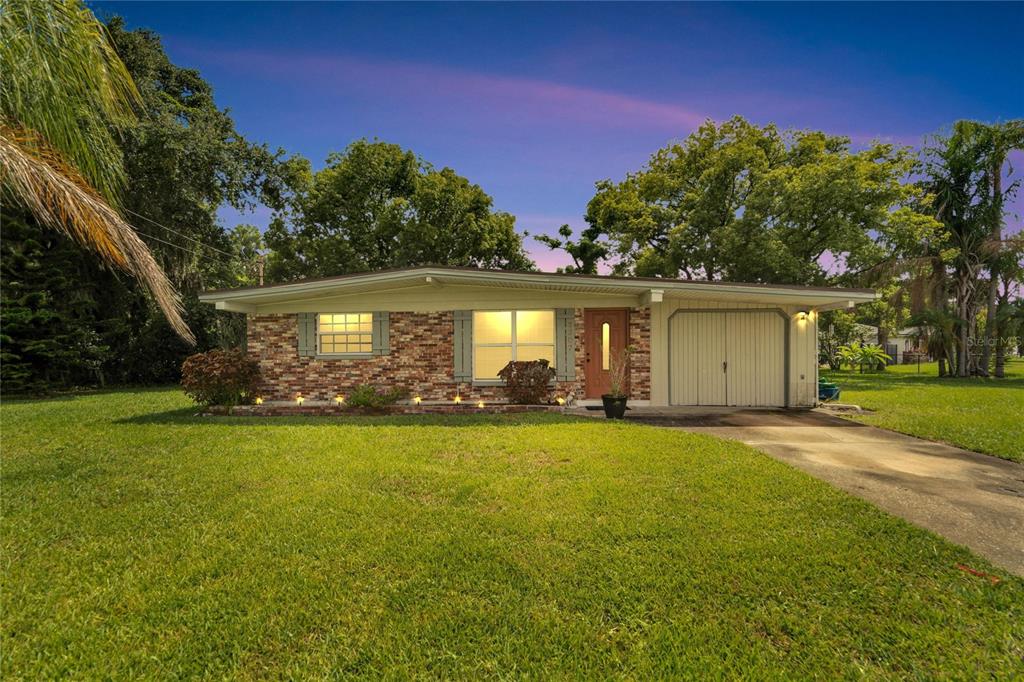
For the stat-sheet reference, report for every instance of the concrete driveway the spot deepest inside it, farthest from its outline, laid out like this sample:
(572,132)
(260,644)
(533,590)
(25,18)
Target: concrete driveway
(972,499)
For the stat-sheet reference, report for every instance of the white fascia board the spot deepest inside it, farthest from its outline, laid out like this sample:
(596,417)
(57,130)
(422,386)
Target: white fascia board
(813,297)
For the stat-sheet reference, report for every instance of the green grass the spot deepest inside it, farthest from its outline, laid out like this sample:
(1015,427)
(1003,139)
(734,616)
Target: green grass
(141,541)
(984,415)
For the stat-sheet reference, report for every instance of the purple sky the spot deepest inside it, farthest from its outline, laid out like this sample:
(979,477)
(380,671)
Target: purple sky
(536,102)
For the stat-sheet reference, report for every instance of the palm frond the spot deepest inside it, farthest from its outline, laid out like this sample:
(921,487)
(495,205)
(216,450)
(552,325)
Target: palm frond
(63,79)
(35,174)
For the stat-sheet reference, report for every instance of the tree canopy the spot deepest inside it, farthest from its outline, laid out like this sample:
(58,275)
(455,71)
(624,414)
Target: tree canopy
(586,252)
(69,320)
(65,99)
(376,205)
(741,202)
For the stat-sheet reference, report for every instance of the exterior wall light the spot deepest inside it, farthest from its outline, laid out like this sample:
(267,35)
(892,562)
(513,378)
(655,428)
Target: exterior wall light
(801,315)
(560,400)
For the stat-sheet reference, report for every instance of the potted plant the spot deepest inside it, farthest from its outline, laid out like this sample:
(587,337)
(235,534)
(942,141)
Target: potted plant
(615,399)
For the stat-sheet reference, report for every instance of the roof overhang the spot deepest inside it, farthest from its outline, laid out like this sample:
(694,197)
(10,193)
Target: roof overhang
(438,279)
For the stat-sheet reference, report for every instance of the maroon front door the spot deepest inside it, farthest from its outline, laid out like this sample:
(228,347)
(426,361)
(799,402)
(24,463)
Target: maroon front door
(604,338)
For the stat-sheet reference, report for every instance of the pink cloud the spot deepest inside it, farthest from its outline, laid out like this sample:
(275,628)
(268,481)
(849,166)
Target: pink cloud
(506,97)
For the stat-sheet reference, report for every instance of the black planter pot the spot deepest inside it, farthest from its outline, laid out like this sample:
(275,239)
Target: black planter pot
(614,406)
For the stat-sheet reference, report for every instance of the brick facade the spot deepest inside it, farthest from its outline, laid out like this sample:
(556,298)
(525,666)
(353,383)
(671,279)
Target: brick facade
(421,359)
(640,360)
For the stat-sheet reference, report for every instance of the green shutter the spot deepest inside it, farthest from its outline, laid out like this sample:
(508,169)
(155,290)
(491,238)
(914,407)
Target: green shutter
(565,344)
(463,345)
(381,333)
(307,334)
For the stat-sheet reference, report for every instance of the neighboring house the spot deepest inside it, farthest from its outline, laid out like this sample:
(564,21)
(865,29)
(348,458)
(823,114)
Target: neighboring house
(906,345)
(442,332)
(865,333)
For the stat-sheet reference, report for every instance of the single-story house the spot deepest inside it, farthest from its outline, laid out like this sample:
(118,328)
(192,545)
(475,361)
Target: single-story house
(445,331)
(903,346)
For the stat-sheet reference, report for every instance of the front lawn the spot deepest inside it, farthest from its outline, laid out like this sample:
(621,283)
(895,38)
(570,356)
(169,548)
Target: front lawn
(984,415)
(141,541)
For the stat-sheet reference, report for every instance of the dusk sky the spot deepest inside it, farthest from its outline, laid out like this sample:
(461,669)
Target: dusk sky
(536,102)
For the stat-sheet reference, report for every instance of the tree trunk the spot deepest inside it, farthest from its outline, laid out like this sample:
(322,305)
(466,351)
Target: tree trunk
(1000,369)
(942,365)
(963,311)
(991,323)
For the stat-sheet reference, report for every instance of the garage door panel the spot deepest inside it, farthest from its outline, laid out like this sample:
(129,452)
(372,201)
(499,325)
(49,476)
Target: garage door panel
(712,359)
(683,359)
(750,344)
(754,350)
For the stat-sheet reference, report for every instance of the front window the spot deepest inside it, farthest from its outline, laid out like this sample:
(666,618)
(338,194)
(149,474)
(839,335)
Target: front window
(341,333)
(503,335)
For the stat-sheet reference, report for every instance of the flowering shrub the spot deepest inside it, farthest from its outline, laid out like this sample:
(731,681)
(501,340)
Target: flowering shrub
(367,396)
(220,377)
(528,382)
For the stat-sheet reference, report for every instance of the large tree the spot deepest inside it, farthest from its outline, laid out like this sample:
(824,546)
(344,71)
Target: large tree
(376,205)
(586,252)
(183,160)
(1005,138)
(958,175)
(741,202)
(65,97)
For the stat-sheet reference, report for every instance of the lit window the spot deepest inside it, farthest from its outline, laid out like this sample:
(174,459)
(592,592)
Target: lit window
(501,336)
(339,333)
(606,345)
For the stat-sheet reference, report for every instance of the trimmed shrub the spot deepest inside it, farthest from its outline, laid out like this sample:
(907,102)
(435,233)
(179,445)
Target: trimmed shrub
(220,377)
(368,397)
(528,382)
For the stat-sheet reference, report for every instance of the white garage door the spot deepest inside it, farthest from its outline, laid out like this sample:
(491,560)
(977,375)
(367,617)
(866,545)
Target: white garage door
(727,358)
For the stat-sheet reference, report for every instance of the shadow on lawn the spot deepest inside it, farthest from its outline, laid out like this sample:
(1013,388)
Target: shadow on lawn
(190,416)
(82,393)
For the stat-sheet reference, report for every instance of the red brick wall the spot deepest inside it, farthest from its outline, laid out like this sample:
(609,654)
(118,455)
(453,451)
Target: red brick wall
(640,360)
(421,360)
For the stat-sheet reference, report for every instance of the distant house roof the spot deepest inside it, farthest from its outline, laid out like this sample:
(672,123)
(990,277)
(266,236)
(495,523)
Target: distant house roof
(655,288)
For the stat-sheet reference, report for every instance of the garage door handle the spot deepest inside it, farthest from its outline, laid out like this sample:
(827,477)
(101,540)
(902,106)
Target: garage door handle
(725,366)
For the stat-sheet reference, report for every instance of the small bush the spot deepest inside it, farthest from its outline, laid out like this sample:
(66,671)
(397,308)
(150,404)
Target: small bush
(528,382)
(220,377)
(367,396)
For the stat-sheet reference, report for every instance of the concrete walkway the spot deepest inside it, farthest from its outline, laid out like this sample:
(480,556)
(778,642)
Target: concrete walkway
(972,499)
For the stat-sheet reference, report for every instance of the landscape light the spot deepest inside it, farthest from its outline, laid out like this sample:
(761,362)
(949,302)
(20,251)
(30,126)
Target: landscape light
(299,399)
(339,399)
(457,399)
(259,400)
(480,404)
(560,400)
(417,400)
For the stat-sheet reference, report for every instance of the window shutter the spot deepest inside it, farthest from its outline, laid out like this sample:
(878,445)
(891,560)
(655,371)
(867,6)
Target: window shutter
(463,345)
(565,344)
(381,333)
(307,334)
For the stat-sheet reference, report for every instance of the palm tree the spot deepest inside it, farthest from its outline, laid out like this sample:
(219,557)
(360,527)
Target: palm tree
(1006,137)
(65,96)
(958,177)
(939,327)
